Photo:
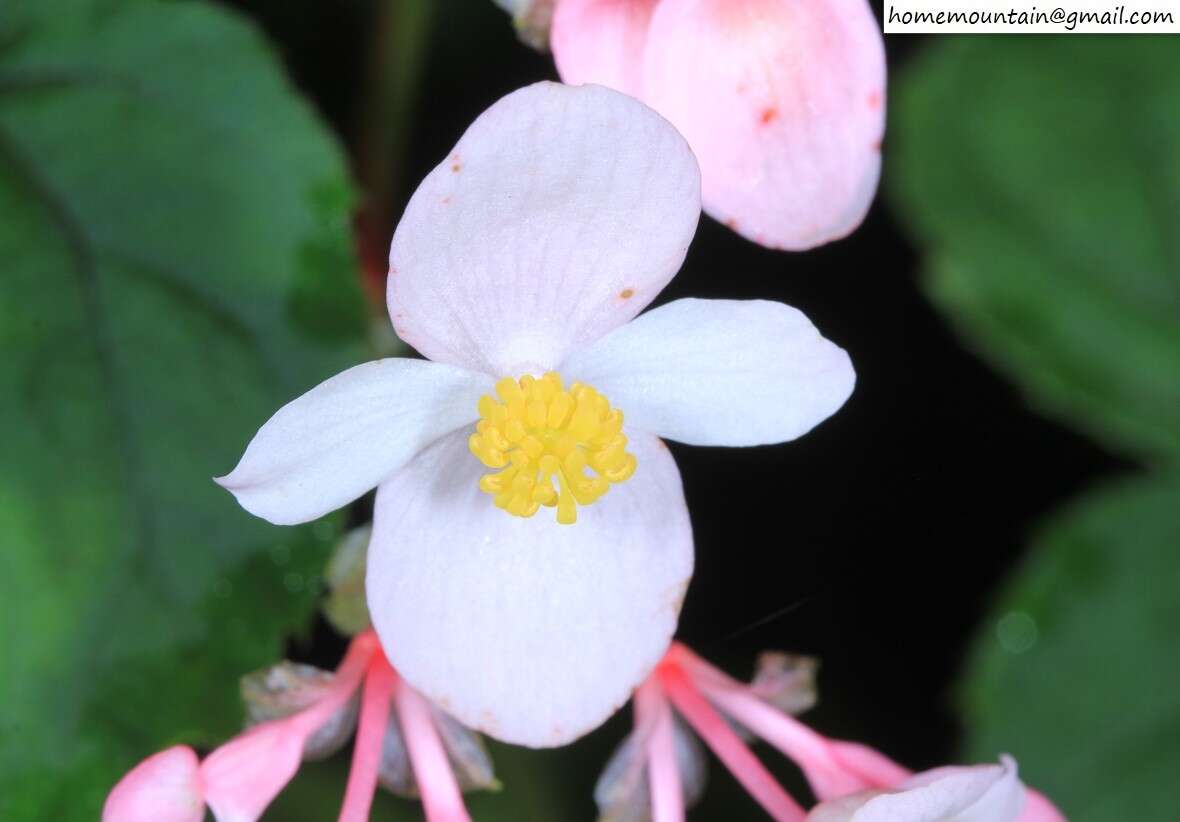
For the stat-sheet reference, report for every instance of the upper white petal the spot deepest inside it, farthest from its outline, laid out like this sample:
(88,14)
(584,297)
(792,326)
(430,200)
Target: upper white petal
(343,437)
(527,630)
(719,372)
(558,216)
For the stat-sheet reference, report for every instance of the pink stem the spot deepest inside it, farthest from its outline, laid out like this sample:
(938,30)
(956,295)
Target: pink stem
(817,756)
(652,710)
(370,736)
(441,798)
(348,676)
(728,747)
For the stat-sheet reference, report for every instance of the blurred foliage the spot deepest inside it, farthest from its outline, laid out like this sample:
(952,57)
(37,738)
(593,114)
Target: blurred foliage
(1042,177)
(1080,679)
(174,220)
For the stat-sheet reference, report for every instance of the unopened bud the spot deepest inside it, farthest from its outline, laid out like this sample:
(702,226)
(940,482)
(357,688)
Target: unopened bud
(345,606)
(532,19)
(786,681)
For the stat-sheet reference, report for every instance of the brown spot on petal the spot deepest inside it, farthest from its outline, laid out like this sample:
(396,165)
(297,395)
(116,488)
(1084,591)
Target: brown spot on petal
(661,443)
(877,146)
(769,115)
(627,293)
(456,167)
(731,224)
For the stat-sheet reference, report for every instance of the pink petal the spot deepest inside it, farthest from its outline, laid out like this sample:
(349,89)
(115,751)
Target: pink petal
(601,41)
(782,102)
(558,216)
(243,776)
(530,631)
(164,787)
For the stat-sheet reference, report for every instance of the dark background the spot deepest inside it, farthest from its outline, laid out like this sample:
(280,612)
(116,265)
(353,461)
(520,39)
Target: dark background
(877,541)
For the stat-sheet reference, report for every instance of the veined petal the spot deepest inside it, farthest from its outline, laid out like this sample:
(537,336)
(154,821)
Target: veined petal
(601,41)
(719,372)
(164,787)
(558,216)
(783,103)
(344,436)
(527,630)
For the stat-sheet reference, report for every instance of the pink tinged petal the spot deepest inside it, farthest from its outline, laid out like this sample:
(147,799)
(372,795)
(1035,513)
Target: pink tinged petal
(558,216)
(602,42)
(243,776)
(343,437)
(441,798)
(728,747)
(983,793)
(527,630)
(366,754)
(783,104)
(164,787)
(719,372)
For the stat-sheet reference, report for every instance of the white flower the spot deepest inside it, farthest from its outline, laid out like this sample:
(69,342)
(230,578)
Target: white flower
(559,215)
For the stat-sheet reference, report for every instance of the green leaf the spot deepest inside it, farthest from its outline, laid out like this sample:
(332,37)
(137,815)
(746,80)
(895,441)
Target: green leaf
(1042,176)
(170,208)
(1077,673)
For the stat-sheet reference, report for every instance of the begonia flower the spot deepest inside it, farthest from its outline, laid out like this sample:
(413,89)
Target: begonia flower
(518,269)
(852,782)
(417,752)
(783,102)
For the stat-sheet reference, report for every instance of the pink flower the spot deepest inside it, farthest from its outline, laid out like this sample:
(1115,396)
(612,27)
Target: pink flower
(783,102)
(412,755)
(854,783)
(529,516)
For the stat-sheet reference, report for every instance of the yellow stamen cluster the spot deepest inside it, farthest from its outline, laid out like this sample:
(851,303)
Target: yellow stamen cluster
(544,437)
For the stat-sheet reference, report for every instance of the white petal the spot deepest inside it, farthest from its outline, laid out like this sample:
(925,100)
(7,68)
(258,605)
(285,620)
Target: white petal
(527,630)
(558,216)
(719,372)
(983,793)
(344,436)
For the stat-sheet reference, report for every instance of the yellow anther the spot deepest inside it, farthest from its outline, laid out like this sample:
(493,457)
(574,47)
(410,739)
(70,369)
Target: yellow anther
(558,447)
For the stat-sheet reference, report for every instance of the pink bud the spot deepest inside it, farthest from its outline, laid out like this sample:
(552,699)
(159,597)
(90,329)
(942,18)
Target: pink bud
(164,787)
